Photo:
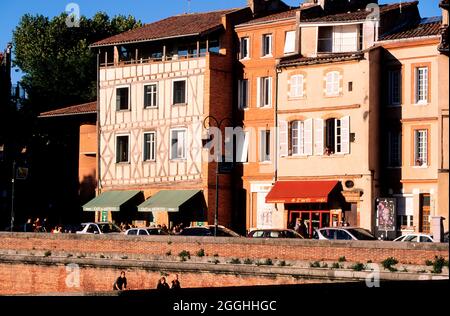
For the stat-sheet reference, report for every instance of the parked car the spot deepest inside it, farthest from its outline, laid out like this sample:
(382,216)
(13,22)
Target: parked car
(71,228)
(445,237)
(274,233)
(145,231)
(344,233)
(415,237)
(99,228)
(208,231)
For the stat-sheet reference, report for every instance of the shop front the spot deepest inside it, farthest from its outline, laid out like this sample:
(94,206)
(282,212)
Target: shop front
(314,204)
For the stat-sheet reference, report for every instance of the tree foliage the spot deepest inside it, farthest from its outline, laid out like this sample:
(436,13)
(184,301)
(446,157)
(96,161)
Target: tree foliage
(59,67)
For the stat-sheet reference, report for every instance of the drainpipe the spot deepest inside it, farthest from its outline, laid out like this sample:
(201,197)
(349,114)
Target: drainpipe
(99,184)
(278,70)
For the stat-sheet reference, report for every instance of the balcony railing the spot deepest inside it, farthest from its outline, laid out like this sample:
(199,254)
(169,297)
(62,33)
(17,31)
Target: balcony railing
(154,60)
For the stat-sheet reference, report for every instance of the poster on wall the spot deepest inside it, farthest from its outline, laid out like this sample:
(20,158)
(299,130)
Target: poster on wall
(386,214)
(264,212)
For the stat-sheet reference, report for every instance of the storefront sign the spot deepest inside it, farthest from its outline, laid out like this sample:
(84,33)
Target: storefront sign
(104,216)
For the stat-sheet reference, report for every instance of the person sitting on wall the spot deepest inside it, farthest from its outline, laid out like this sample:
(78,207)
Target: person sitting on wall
(176,283)
(121,282)
(162,285)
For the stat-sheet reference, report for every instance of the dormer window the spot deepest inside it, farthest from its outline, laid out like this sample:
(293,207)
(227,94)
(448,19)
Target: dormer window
(339,39)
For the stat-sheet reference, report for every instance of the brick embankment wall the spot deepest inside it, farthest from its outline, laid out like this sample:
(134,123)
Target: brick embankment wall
(306,250)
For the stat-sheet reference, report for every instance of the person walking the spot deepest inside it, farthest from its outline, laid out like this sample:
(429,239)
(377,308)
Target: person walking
(121,282)
(162,285)
(176,283)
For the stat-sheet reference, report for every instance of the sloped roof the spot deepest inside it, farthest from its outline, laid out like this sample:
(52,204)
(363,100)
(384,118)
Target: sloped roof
(86,108)
(321,59)
(284,15)
(174,26)
(356,15)
(424,27)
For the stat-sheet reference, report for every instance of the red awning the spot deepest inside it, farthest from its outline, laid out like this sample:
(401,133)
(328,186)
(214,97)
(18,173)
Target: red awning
(290,192)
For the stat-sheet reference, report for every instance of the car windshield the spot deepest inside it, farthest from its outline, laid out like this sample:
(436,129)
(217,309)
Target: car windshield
(361,234)
(109,228)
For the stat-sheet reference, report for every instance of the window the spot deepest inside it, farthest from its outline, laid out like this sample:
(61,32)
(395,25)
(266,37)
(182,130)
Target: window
(122,98)
(264,146)
(296,83)
(150,146)
(122,149)
(178,144)
(245,48)
(267,45)
(338,39)
(422,85)
(421,148)
(333,83)
(337,136)
(395,149)
(151,96)
(179,92)
(301,137)
(264,92)
(243,94)
(242,143)
(394,87)
(405,212)
(289,44)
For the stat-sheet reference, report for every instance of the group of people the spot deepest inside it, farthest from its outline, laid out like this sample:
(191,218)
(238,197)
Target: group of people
(36,226)
(121,283)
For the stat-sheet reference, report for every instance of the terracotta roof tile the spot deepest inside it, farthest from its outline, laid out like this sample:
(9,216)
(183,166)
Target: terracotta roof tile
(290,14)
(321,59)
(356,15)
(175,26)
(424,27)
(86,108)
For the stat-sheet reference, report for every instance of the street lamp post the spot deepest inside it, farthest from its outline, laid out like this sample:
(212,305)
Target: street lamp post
(13,183)
(207,125)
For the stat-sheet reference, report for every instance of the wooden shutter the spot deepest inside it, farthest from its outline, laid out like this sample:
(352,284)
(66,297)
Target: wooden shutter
(258,92)
(318,137)
(345,135)
(283,133)
(308,137)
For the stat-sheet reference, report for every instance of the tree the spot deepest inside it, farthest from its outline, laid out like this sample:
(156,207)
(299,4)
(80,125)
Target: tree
(59,67)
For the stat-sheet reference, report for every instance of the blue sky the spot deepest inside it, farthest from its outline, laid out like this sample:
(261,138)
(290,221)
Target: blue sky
(144,10)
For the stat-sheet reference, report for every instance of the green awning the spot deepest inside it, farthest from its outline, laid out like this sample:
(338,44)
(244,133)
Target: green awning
(167,201)
(110,201)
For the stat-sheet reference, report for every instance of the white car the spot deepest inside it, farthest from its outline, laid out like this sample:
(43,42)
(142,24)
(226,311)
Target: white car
(343,233)
(149,231)
(99,229)
(415,237)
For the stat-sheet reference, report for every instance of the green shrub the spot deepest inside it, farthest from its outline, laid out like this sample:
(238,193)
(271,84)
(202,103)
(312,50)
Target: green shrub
(438,264)
(169,253)
(201,253)
(184,254)
(235,261)
(389,263)
(282,263)
(268,262)
(358,267)
(48,253)
(429,263)
(336,266)
(315,264)
(248,261)
(342,259)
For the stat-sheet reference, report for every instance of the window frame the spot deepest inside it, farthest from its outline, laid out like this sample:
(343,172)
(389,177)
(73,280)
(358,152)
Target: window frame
(241,99)
(390,94)
(299,130)
(246,40)
(416,149)
(286,38)
(300,87)
(417,85)
(155,106)
(178,129)
(265,143)
(394,135)
(155,146)
(117,148)
(118,109)
(263,90)
(267,48)
(185,80)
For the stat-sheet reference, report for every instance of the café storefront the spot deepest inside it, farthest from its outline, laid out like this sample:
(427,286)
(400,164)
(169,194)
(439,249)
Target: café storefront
(318,203)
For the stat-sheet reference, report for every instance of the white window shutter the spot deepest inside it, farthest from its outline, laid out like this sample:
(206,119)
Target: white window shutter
(242,147)
(308,137)
(318,137)
(283,134)
(258,92)
(289,46)
(345,131)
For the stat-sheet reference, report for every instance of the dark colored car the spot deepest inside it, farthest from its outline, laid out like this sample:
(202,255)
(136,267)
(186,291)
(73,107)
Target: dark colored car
(208,231)
(274,233)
